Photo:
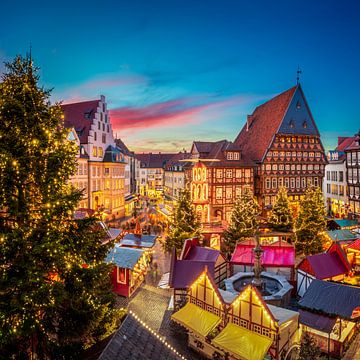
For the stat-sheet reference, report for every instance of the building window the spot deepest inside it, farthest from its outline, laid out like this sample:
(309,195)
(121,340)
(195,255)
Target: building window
(303,182)
(268,167)
(274,183)
(267,183)
(298,183)
(236,156)
(287,167)
(230,156)
(94,152)
(106,171)
(101,152)
(275,167)
(281,167)
(280,182)
(95,136)
(292,183)
(104,138)
(286,182)
(238,173)
(219,173)
(328,188)
(228,173)
(218,194)
(238,191)
(228,192)
(316,181)
(107,128)
(341,176)
(98,125)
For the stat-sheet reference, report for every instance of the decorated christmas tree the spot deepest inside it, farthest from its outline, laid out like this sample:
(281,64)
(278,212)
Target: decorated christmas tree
(311,222)
(281,218)
(308,349)
(184,223)
(243,222)
(55,295)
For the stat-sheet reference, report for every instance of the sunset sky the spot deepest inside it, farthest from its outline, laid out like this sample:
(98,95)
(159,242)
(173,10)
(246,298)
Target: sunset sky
(177,71)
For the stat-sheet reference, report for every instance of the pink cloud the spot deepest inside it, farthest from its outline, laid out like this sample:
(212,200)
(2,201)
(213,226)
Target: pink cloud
(172,113)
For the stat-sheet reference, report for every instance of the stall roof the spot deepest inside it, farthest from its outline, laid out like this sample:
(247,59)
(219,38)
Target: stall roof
(145,241)
(282,256)
(135,341)
(200,253)
(346,223)
(242,343)
(196,319)
(354,245)
(184,272)
(342,235)
(282,315)
(326,265)
(317,321)
(124,257)
(331,298)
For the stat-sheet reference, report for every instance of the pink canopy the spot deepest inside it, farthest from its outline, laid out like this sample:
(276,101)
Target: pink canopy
(281,256)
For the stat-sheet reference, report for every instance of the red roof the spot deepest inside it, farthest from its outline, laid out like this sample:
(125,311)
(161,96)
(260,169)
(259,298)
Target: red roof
(256,136)
(344,142)
(157,160)
(354,245)
(326,265)
(80,116)
(282,256)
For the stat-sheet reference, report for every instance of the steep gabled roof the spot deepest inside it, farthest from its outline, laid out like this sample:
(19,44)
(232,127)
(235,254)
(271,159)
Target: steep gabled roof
(176,159)
(257,134)
(80,116)
(119,143)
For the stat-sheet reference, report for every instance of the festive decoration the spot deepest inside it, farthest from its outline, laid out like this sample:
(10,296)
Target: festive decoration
(308,348)
(311,222)
(184,223)
(51,305)
(281,218)
(243,220)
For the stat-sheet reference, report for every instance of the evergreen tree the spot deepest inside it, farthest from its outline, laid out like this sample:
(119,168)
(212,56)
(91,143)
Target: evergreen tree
(55,292)
(184,223)
(311,222)
(281,218)
(243,222)
(308,348)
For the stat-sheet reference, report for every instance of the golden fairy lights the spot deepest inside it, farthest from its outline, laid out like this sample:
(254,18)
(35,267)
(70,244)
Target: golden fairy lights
(162,339)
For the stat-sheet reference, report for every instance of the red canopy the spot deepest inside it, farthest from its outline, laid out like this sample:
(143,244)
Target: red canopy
(276,256)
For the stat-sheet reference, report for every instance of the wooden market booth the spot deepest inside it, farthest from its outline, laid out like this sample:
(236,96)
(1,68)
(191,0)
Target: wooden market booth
(330,314)
(278,257)
(192,262)
(130,267)
(244,328)
(331,265)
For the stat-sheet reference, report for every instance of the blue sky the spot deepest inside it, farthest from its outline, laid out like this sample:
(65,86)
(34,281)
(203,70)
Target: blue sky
(177,71)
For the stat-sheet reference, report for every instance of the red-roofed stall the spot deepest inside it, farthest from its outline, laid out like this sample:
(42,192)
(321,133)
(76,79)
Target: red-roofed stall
(331,265)
(278,258)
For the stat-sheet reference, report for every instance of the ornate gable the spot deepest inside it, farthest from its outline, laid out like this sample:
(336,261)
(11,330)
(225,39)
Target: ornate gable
(250,311)
(204,293)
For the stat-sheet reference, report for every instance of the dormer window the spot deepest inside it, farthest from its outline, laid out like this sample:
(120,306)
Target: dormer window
(304,124)
(232,155)
(291,123)
(298,105)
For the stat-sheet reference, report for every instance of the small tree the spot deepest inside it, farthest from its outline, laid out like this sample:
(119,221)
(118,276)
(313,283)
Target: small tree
(308,348)
(243,220)
(184,223)
(281,218)
(311,222)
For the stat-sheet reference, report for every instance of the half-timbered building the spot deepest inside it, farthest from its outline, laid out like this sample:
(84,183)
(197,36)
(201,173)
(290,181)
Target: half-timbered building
(217,178)
(281,137)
